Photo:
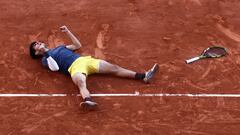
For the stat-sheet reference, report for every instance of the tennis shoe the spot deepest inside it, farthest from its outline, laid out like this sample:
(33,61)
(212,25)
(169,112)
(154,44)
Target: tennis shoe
(89,105)
(150,73)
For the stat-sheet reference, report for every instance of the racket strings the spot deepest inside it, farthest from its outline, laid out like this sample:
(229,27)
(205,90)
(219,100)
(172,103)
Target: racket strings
(215,52)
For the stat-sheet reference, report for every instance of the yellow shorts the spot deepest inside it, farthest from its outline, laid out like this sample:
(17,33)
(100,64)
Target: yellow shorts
(85,64)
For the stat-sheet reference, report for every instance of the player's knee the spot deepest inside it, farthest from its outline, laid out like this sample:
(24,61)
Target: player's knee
(79,80)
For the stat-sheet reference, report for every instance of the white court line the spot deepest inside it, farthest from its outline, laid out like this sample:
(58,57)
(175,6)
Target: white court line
(136,94)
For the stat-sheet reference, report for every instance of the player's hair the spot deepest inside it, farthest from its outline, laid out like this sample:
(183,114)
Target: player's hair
(32,51)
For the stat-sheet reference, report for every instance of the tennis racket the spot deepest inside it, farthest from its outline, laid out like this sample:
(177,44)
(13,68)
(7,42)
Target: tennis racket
(211,52)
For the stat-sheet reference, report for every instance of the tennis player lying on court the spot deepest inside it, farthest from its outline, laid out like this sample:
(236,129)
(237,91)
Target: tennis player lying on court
(63,59)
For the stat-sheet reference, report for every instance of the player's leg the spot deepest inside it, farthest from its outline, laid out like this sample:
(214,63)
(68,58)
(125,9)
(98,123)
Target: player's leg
(108,68)
(80,80)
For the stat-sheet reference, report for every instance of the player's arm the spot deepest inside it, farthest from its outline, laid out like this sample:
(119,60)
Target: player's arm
(76,43)
(49,62)
(52,64)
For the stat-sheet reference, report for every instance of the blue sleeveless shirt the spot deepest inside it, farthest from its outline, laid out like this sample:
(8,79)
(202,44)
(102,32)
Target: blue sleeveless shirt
(63,56)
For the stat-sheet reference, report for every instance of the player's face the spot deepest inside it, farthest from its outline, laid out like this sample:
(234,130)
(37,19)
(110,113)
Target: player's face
(40,48)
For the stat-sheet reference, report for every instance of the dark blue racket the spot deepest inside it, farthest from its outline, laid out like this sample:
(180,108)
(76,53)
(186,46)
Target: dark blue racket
(211,52)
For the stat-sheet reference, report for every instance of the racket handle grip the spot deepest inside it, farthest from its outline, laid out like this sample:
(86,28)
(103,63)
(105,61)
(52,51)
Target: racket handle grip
(192,60)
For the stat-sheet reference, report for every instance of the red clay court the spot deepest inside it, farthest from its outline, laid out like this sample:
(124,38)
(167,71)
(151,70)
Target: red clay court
(134,34)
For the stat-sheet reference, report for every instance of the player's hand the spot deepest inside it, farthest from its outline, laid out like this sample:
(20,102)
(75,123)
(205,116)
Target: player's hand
(64,28)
